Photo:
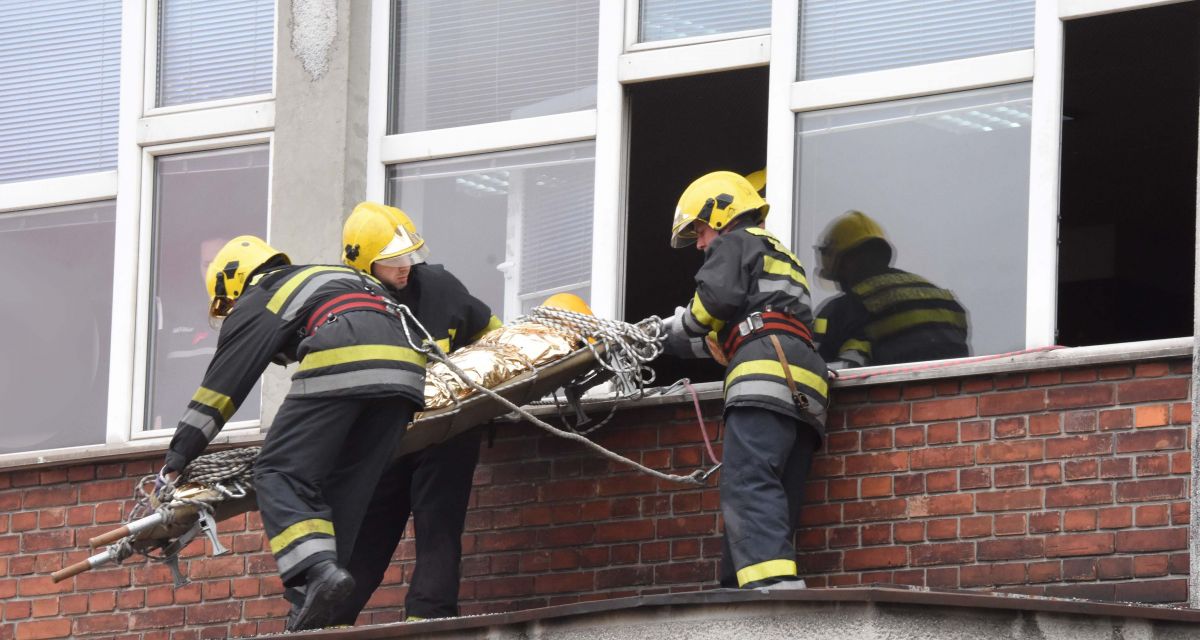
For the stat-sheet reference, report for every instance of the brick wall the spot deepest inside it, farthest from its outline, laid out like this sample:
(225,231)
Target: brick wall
(1069,482)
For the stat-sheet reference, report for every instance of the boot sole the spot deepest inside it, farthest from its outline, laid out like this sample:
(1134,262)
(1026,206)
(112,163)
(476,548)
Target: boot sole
(319,610)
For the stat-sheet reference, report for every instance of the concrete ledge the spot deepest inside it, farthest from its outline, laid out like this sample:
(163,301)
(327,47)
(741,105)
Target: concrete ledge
(817,614)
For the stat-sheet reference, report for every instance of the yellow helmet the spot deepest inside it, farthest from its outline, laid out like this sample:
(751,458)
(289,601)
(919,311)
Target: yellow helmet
(758,180)
(232,267)
(568,302)
(850,230)
(378,233)
(715,199)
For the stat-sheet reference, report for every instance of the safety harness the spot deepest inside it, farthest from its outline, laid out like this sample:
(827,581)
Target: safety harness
(771,323)
(336,306)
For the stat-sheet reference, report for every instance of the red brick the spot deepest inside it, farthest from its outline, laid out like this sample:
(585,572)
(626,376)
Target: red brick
(1150,566)
(975,526)
(1073,446)
(841,442)
(1010,549)
(843,489)
(1044,424)
(1013,402)
(1047,473)
(1156,440)
(564,582)
(876,463)
(975,431)
(1152,591)
(1158,415)
(876,534)
(1155,465)
(918,391)
(944,505)
(45,540)
(940,457)
(1151,369)
(1145,490)
(1180,513)
(942,433)
(1081,469)
(946,529)
(1079,569)
(1116,468)
(1016,451)
(876,487)
(1009,500)
(978,478)
(1115,518)
(948,553)
(941,481)
(1009,381)
(42,629)
(1079,520)
(880,415)
(875,558)
(1181,462)
(908,484)
(910,436)
(870,510)
(1137,391)
(1079,495)
(1044,571)
(1081,396)
(1155,515)
(1009,427)
(936,410)
(50,497)
(1009,476)
(173,616)
(1116,419)
(875,439)
(1151,540)
(993,574)
(1010,524)
(687,526)
(907,532)
(820,514)
(1045,378)
(1080,544)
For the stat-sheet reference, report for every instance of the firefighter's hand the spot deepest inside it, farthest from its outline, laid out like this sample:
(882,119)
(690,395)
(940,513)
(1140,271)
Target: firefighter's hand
(674,324)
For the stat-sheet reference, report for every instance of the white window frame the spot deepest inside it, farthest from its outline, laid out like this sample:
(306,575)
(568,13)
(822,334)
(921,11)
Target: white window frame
(150,78)
(141,356)
(633,13)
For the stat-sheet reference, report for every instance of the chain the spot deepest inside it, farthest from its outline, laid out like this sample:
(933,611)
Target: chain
(626,347)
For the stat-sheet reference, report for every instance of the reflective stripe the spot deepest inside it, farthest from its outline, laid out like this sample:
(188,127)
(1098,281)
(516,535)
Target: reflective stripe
(783,268)
(493,324)
(444,344)
(202,421)
(861,346)
(299,530)
(359,353)
(820,325)
(887,280)
(909,319)
(302,551)
(219,401)
(775,243)
(884,299)
(764,570)
(356,379)
(281,294)
(453,333)
(706,319)
(786,286)
(774,390)
(773,368)
(691,325)
(309,289)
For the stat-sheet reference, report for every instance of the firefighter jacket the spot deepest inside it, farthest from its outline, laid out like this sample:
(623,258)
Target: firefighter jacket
(450,314)
(748,270)
(301,314)
(890,318)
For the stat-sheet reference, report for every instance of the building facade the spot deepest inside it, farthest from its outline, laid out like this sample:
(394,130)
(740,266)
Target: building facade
(1035,157)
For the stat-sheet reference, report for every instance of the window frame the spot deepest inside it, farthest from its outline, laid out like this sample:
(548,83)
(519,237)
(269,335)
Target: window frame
(632,24)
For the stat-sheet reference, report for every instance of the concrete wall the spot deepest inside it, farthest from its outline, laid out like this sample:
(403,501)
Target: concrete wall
(1065,482)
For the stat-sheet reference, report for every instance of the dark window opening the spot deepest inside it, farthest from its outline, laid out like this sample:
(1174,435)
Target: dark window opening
(1128,191)
(681,129)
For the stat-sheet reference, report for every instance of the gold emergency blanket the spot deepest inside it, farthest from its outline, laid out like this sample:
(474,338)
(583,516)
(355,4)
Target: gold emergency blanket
(501,355)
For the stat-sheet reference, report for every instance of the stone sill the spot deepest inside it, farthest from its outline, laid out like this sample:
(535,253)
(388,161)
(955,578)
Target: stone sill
(1064,358)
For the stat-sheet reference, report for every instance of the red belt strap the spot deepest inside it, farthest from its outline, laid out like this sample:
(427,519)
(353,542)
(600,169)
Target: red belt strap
(341,304)
(773,321)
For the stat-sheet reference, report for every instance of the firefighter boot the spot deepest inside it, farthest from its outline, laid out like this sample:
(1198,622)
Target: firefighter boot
(326,584)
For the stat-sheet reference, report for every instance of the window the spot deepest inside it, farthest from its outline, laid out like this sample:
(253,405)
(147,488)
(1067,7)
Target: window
(213,49)
(852,36)
(59,77)
(673,19)
(462,62)
(56,338)
(947,178)
(1128,178)
(202,200)
(514,226)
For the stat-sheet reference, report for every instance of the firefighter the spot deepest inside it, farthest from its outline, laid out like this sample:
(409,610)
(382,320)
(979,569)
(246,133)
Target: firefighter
(434,484)
(357,383)
(751,311)
(883,315)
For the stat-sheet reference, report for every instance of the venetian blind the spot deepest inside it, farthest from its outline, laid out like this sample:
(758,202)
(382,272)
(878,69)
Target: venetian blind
(214,49)
(672,19)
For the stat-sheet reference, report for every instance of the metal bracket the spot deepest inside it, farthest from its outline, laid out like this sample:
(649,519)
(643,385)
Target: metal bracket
(208,526)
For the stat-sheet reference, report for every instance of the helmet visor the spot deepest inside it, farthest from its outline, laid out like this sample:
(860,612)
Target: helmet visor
(218,311)
(405,249)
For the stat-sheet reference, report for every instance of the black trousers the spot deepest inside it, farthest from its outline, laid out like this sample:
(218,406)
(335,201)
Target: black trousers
(434,485)
(317,470)
(767,457)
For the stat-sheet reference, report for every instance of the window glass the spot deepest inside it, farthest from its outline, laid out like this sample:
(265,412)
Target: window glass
(462,62)
(671,19)
(54,373)
(515,227)
(213,49)
(201,200)
(59,80)
(852,36)
(944,180)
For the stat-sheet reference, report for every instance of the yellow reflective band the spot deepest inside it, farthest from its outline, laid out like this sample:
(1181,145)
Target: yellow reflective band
(820,326)
(359,353)
(294,282)
(909,319)
(453,332)
(884,299)
(861,346)
(493,324)
(703,316)
(219,401)
(775,243)
(413,619)
(783,268)
(764,570)
(887,280)
(444,344)
(299,530)
(773,368)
